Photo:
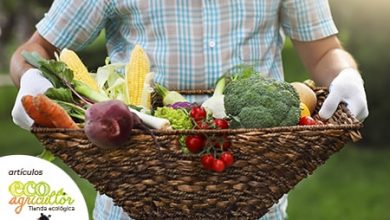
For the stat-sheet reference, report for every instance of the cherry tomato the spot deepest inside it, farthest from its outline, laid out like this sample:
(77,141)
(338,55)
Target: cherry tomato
(218,165)
(307,120)
(226,145)
(202,125)
(207,161)
(227,158)
(198,113)
(221,123)
(195,143)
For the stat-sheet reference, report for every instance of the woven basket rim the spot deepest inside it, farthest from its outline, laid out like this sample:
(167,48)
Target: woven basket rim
(354,126)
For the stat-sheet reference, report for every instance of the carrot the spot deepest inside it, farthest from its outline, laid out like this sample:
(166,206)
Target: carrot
(39,119)
(53,111)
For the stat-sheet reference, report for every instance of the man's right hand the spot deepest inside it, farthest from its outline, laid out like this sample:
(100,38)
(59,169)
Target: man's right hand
(31,83)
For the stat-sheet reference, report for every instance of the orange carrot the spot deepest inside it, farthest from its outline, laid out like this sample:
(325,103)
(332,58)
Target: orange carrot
(39,119)
(53,111)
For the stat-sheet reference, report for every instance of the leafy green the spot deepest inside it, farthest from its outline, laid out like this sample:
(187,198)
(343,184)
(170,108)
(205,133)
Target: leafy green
(61,94)
(56,72)
(110,79)
(86,91)
(72,109)
(65,99)
(178,118)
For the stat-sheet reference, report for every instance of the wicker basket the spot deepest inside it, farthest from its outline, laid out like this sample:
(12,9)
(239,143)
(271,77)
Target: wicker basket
(160,182)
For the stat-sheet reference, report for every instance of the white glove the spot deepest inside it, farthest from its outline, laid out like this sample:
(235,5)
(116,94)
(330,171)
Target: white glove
(346,87)
(31,83)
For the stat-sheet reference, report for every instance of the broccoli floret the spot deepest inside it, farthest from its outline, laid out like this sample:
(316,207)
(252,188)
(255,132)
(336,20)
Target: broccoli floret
(260,102)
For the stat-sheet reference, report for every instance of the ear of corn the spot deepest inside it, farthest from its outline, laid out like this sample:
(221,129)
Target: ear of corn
(80,72)
(136,71)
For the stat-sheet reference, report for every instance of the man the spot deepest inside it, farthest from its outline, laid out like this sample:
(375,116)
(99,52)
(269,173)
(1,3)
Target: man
(191,43)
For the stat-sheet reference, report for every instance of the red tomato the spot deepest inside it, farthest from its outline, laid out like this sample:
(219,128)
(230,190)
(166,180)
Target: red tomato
(202,125)
(221,123)
(198,113)
(207,161)
(195,143)
(218,165)
(227,158)
(225,146)
(307,120)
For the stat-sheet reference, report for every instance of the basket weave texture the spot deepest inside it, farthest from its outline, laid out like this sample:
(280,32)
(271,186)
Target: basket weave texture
(160,182)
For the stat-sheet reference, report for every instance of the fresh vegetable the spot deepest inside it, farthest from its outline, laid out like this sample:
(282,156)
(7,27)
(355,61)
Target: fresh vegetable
(260,102)
(168,97)
(306,95)
(218,165)
(304,109)
(178,118)
(108,124)
(80,71)
(110,80)
(202,125)
(64,98)
(34,114)
(53,111)
(195,143)
(207,161)
(86,91)
(224,141)
(227,158)
(136,71)
(307,120)
(198,113)
(215,104)
(221,123)
(61,76)
(151,121)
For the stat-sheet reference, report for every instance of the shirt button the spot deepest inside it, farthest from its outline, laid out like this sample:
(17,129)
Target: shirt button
(211,43)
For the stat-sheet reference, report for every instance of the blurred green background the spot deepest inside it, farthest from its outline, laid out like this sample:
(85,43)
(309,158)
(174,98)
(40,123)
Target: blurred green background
(351,185)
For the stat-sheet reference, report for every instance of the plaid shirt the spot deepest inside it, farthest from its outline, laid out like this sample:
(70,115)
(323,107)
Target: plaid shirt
(190,43)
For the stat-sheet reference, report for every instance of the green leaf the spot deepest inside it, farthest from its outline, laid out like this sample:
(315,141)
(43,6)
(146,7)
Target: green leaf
(59,69)
(61,94)
(86,91)
(242,71)
(47,155)
(72,110)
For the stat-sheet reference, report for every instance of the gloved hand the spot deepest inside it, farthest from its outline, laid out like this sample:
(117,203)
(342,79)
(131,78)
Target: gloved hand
(346,87)
(31,83)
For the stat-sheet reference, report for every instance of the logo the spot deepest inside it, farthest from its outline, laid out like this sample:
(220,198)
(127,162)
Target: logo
(31,187)
(33,194)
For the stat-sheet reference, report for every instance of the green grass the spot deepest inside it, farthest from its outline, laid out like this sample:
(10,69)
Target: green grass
(351,185)
(293,68)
